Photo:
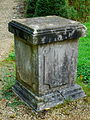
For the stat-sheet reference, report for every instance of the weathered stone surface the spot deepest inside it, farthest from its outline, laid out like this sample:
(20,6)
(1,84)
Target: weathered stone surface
(26,64)
(41,30)
(50,99)
(45,73)
(57,64)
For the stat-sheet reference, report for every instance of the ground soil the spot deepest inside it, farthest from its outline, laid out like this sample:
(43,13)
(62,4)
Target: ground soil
(76,110)
(6,15)
(9,9)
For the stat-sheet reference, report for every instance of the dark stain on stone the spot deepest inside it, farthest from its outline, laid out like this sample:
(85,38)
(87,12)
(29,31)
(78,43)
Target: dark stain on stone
(65,70)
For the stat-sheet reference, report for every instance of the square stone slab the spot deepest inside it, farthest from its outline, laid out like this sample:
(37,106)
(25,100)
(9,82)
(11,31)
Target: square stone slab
(38,30)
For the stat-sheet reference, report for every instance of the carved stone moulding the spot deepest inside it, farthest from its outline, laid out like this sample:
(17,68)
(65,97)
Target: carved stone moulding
(46,60)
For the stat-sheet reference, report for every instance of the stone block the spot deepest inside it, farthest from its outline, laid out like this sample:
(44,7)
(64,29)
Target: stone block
(46,60)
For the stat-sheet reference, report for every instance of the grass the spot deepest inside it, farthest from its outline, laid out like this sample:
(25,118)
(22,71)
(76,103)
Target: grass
(7,77)
(7,71)
(83,67)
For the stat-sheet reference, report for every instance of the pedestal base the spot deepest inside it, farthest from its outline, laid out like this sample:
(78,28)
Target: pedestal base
(48,100)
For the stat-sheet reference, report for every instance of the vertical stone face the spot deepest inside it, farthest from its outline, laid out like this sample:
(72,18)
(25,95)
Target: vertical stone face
(57,64)
(26,65)
(46,60)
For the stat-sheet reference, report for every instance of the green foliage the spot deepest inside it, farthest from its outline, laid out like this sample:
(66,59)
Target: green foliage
(73,9)
(7,95)
(85,87)
(42,8)
(47,7)
(83,72)
(72,13)
(11,56)
(7,77)
(83,9)
(8,72)
(30,8)
(16,102)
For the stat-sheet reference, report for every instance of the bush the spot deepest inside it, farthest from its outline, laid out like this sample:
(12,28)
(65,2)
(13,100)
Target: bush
(72,13)
(82,7)
(30,8)
(48,7)
(42,8)
(73,9)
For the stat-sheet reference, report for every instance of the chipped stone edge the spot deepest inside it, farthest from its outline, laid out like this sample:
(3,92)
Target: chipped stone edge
(32,36)
(39,103)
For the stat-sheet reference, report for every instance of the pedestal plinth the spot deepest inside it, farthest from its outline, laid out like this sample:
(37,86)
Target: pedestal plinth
(46,60)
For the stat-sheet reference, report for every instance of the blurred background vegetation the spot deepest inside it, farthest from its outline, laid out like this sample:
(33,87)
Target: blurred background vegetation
(72,9)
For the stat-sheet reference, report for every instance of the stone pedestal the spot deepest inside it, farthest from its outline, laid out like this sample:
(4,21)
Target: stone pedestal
(46,60)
